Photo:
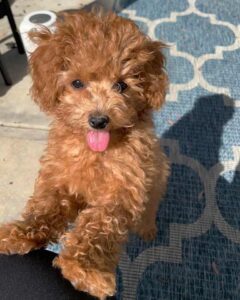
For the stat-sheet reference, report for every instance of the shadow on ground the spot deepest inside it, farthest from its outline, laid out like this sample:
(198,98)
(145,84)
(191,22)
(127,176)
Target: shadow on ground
(17,67)
(208,247)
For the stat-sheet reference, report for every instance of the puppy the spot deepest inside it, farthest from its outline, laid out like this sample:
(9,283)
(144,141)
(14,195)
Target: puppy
(103,170)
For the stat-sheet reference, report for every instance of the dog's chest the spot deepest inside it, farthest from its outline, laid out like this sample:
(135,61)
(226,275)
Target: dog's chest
(89,175)
(95,175)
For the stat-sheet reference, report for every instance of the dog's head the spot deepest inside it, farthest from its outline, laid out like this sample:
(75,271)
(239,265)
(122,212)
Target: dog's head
(97,73)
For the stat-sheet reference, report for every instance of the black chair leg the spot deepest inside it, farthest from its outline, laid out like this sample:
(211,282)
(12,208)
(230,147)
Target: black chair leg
(13,26)
(5,74)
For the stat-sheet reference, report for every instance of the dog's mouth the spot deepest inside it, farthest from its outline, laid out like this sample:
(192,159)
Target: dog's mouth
(98,140)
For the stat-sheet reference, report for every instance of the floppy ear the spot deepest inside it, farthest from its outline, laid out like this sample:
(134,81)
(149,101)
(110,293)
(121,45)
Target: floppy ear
(45,63)
(156,79)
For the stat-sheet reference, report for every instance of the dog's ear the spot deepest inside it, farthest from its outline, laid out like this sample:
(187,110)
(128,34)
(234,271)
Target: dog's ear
(45,64)
(156,79)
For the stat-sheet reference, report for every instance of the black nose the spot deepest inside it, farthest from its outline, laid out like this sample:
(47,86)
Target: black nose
(98,122)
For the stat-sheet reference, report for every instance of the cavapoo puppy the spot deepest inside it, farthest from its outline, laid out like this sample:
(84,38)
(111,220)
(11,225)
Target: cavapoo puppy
(99,78)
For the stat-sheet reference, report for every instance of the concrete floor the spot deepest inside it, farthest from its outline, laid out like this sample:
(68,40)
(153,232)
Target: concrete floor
(23,129)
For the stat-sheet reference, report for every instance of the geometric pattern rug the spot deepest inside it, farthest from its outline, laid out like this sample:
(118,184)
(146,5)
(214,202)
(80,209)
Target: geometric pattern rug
(196,255)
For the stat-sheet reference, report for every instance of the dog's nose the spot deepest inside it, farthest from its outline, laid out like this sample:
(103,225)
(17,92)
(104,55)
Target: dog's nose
(98,122)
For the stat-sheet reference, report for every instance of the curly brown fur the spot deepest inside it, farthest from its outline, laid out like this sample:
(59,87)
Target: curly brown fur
(106,193)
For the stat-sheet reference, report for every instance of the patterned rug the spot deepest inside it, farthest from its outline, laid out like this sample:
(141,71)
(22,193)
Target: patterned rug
(196,255)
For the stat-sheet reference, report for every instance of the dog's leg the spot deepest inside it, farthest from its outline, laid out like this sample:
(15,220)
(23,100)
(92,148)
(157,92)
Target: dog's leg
(147,228)
(44,218)
(91,250)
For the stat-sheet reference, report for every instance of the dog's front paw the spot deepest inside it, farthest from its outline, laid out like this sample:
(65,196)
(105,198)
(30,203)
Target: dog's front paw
(97,283)
(13,241)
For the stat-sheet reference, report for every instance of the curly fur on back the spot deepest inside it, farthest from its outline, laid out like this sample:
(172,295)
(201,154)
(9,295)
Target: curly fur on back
(108,193)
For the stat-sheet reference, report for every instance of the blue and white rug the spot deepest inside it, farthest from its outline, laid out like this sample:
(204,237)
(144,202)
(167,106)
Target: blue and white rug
(196,255)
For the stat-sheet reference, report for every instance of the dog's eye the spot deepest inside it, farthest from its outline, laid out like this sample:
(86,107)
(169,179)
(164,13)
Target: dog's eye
(77,84)
(120,86)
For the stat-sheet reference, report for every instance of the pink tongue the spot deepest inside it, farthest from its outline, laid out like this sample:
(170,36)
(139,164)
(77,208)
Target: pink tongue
(98,140)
